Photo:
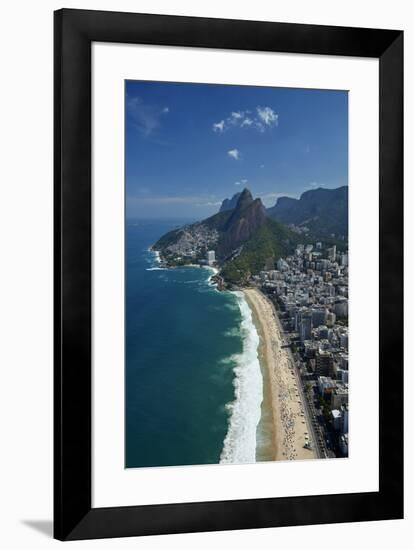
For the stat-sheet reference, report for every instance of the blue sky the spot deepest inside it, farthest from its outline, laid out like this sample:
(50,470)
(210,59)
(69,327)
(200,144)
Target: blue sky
(189,146)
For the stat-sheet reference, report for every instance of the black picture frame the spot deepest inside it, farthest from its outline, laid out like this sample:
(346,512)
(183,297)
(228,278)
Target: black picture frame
(74,32)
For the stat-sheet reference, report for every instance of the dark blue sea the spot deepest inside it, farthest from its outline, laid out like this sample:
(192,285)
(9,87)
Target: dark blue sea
(193,381)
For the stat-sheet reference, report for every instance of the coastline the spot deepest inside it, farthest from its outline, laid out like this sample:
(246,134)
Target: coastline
(281,429)
(289,421)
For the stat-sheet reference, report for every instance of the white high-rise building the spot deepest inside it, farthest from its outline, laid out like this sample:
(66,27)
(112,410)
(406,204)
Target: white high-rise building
(331,253)
(211,257)
(343,339)
(282,265)
(330,319)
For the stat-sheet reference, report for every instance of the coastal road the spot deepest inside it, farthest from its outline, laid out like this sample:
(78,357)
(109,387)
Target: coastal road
(308,412)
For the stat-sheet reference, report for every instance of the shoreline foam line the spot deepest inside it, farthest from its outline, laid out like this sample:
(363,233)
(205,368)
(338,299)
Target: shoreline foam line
(266,445)
(245,411)
(157,257)
(214,271)
(156,261)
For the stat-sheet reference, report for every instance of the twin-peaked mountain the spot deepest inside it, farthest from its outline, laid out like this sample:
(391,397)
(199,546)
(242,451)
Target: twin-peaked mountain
(244,238)
(244,220)
(247,237)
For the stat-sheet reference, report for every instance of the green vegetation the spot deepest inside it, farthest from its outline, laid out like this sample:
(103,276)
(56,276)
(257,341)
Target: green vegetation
(326,409)
(269,243)
(218,221)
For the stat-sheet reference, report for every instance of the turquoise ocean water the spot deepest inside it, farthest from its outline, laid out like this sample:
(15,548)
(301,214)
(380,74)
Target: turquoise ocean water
(193,385)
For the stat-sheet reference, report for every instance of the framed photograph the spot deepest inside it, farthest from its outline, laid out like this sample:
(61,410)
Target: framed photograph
(228,274)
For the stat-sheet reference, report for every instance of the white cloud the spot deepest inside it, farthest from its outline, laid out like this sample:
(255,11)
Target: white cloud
(195,200)
(244,181)
(237,183)
(260,119)
(234,153)
(246,122)
(267,116)
(215,203)
(314,184)
(146,117)
(218,126)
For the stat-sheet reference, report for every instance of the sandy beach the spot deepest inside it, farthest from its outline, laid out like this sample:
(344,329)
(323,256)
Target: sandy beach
(289,419)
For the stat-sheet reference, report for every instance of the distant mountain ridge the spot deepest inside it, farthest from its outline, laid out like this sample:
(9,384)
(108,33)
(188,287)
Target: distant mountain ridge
(323,211)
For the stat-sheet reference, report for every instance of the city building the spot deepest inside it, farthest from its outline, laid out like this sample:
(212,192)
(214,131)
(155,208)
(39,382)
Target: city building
(282,265)
(211,257)
(323,332)
(344,418)
(343,444)
(339,396)
(318,317)
(336,417)
(330,319)
(310,289)
(343,339)
(331,253)
(325,384)
(341,307)
(324,363)
(305,327)
(342,375)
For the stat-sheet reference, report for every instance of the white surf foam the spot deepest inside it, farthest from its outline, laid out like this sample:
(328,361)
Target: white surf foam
(214,271)
(157,258)
(232,332)
(240,442)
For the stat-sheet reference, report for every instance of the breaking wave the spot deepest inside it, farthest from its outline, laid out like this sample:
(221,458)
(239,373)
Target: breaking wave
(244,412)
